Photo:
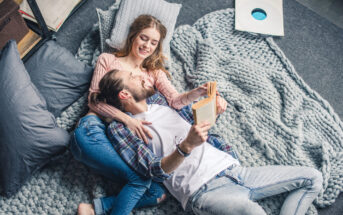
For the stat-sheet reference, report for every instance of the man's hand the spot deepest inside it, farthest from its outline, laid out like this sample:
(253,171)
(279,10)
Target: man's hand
(197,135)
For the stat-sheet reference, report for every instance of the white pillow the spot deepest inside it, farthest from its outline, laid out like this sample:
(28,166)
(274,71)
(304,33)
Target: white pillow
(130,9)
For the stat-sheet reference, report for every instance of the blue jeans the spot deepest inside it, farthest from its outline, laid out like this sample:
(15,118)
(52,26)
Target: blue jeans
(91,146)
(239,188)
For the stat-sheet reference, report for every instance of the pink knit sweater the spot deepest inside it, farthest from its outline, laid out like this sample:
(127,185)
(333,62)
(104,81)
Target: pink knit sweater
(107,62)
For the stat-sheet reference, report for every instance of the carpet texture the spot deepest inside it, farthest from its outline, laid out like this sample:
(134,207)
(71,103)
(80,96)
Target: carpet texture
(273,117)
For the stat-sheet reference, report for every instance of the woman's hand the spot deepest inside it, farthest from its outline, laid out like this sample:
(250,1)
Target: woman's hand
(202,90)
(137,127)
(221,104)
(197,92)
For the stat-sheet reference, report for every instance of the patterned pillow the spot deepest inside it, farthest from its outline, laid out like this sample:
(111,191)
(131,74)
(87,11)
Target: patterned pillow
(130,9)
(106,20)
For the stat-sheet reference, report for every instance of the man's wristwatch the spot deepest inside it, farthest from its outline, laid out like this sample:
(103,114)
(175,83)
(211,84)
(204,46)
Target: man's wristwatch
(179,150)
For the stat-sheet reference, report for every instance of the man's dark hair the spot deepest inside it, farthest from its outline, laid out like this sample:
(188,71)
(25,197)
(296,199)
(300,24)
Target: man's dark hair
(109,87)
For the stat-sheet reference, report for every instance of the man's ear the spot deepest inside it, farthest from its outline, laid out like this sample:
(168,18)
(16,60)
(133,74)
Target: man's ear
(124,94)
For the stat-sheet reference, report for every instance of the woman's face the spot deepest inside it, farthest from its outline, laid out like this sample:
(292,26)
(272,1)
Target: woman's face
(145,43)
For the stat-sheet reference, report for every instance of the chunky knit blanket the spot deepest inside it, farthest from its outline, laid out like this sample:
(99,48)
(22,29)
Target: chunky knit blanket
(273,117)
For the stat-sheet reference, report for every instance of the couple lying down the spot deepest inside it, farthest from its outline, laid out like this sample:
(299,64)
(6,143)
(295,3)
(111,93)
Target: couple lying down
(157,146)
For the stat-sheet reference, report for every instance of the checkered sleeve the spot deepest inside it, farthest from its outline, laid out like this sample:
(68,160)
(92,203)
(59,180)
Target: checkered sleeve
(135,152)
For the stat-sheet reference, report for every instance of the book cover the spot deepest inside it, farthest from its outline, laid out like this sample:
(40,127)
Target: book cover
(54,12)
(206,109)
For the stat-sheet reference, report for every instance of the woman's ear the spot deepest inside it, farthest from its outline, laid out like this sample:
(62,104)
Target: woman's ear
(124,94)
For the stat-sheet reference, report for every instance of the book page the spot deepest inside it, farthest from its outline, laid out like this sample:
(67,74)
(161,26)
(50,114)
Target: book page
(54,12)
(206,113)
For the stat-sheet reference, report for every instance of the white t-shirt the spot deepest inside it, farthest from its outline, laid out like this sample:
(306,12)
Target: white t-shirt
(168,129)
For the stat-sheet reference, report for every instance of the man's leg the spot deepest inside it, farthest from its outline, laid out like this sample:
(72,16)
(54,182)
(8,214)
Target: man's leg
(223,196)
(304,183)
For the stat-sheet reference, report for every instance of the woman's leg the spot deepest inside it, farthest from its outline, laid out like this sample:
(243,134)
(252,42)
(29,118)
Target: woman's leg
(304,184)
(90,145)
(154,195)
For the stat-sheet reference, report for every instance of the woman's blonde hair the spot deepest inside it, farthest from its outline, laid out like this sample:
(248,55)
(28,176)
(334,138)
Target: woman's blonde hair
(156,60)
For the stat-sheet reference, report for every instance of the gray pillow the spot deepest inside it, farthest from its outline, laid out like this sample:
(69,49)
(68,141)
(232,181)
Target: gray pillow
(58,75)
(129,10)
(29,136)
(106,19)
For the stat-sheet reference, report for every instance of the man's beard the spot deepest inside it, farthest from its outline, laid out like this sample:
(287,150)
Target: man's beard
(143,94)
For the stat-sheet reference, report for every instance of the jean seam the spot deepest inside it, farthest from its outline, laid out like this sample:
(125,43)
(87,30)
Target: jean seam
(76,146)
(197,196)
(280,182)
(98,207)
(130,197)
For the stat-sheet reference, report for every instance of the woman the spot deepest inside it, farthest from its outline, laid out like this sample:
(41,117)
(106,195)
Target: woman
(141,55)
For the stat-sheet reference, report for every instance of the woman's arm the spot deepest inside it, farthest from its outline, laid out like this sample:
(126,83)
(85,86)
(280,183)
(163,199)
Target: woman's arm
(107,62)
(175,99)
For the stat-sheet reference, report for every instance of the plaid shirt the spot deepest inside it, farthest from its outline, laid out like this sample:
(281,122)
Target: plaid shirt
(138,155)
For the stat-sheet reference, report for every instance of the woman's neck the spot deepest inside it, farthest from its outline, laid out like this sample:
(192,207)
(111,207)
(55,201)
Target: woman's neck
(133,61)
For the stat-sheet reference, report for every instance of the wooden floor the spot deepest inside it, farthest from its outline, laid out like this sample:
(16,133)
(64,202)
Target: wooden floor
(28,42)
(332,10)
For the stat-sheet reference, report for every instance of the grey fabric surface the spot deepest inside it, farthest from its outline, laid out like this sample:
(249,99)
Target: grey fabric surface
(58,76)
(274,117)
(129,10)
(66,183)
(311,43)
(29,136)
(106,22)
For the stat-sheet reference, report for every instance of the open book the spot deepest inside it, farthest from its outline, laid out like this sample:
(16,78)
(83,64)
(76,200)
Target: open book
(54,12)
(206,109)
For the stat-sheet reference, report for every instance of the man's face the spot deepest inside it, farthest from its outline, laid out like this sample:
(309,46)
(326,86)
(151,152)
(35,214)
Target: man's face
(135,84)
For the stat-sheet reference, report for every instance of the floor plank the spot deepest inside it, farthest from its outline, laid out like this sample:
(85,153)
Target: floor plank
(28,42)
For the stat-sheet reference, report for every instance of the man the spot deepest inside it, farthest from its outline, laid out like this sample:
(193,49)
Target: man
(200,176)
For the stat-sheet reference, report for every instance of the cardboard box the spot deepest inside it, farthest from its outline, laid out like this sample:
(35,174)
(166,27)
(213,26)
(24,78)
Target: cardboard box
(12,25)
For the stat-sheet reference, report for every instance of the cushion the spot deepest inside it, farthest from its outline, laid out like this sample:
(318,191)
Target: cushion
(29,136)
(106,19)
(58,75)
(129,10)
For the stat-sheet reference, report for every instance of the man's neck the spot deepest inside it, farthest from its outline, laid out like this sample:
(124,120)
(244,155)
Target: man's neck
(136,107)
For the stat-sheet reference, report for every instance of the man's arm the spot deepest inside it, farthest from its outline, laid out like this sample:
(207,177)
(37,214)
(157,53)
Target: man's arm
(139,157)
(197,135)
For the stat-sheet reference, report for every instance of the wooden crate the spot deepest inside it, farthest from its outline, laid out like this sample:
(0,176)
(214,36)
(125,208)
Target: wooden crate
(12,25)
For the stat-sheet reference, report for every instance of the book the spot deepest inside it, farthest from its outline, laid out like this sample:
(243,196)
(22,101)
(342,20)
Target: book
(206,109)
(54,12)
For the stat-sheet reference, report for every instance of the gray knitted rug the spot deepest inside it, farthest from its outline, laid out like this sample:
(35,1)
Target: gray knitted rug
(273,117)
